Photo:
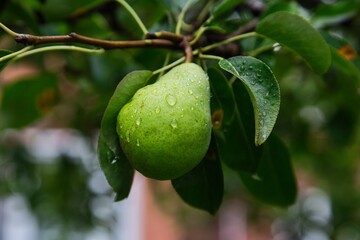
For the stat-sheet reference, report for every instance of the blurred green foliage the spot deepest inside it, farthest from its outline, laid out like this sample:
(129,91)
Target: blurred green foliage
(318,121)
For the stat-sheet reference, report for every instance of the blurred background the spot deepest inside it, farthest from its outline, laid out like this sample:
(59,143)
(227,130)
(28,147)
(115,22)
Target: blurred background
(51,185)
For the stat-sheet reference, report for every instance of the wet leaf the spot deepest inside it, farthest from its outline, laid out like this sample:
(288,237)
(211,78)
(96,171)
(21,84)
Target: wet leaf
(117,169)
(263,89)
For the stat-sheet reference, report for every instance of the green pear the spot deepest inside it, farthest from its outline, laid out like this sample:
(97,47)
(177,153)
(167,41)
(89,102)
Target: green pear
(165,129)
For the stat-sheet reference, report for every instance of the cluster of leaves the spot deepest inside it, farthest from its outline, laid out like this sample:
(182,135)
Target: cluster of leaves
(246,94)
(240,112)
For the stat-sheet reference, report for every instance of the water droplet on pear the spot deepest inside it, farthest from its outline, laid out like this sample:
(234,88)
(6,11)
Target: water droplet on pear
(170,99)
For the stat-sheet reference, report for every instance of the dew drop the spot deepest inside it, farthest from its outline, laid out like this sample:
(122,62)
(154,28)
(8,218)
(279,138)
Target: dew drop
(138,121)
(137,142)
(242,68)
(174,123)
(170,99)
(251,67)
(248,74)
(192,108)
(190,91)
(263,136)
(157,110)
(114,161)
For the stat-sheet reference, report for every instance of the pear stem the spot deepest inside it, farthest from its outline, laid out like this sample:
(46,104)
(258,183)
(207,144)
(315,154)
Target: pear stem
(171,65)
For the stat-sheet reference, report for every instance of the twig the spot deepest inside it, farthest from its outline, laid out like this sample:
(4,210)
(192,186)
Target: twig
(134,15)
(165,35)
(14,54)
(182,15)
(229,40)
(207,56)
(8,31)
(53,48)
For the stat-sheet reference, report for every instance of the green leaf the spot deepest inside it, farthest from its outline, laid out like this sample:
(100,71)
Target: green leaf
(233,132)
(344,65)
(19,12)
(28,99)
(274,181)
(223,8)
(263,89)
(57,10)
(343,55)
(222,95)
(117,169)
(297,34)
(242,131)
(331,14)
(282,6)
(203,186)
(123,93)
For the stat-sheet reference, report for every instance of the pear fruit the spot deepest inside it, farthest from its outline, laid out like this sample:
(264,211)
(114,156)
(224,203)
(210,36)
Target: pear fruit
(165,129)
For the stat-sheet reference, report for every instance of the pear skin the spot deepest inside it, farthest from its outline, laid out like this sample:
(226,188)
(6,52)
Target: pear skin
(165,129)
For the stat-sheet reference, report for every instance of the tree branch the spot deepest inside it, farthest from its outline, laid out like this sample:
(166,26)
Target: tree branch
(28,39)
